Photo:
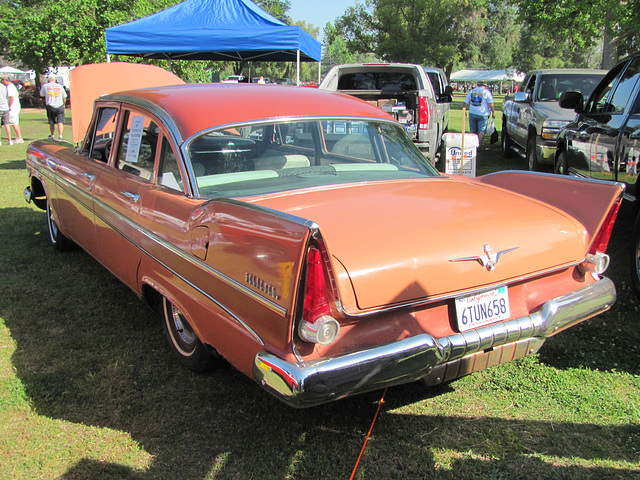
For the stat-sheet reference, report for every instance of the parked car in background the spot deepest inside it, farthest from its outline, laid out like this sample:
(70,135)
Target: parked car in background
(443,93)
(531,118)
(236,79)
(262,80)
(604,140)
(285,81)
(302,236)
(402,90)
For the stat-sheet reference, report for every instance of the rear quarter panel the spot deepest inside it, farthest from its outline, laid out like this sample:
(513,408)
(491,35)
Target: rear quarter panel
(235,271)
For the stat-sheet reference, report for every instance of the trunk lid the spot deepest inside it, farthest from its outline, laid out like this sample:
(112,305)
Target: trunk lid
(404,241)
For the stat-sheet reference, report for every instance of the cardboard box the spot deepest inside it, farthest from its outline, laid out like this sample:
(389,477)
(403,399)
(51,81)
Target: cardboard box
(388,104)
(453,153)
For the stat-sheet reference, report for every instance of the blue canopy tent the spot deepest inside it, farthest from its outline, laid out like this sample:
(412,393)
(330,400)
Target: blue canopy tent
(236,30)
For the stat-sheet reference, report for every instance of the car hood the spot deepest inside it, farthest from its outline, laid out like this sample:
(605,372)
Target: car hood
(88,82)
(402,241)
(552,111)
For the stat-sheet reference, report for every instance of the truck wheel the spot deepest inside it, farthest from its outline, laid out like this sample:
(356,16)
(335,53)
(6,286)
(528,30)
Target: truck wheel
(635,257)
(532,159)
(562,166)
(507,144)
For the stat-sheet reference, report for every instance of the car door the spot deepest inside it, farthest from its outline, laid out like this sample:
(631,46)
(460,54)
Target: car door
(119,191)
(166,215)
(74,202)
(522,111)
(614,128)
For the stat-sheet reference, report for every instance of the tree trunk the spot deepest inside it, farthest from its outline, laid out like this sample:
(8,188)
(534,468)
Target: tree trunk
(610,44)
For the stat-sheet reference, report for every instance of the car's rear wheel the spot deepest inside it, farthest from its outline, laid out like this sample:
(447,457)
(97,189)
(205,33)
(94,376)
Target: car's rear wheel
(507,144)
(184,341)
(635,257)
(58,240)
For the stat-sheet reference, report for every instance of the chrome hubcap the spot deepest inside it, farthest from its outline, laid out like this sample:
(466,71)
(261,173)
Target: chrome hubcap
(182,327)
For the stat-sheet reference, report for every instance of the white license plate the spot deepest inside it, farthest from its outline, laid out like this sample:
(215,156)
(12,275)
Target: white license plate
(482,308)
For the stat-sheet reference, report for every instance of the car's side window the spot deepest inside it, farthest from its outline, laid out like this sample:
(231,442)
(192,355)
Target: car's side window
(137,147)
(102,132)
(601,94)
(529,87)
(168,170)
(620,98)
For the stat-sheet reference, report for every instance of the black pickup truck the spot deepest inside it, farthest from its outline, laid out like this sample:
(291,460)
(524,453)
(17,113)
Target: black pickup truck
(603,142)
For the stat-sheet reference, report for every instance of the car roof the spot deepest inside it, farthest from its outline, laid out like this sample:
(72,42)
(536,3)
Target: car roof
(554,71)
(192,108)
(433,69)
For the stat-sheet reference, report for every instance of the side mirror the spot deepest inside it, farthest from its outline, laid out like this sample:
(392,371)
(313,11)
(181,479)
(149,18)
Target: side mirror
(448,90)
(445,98)
(521,97)
(572,100)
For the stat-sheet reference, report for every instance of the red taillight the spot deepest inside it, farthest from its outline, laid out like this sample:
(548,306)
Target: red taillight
(424,114)
(317,324)
(316,301)
(601,241)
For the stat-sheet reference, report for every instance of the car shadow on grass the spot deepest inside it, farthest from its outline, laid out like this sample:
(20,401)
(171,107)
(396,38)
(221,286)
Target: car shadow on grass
(88,351)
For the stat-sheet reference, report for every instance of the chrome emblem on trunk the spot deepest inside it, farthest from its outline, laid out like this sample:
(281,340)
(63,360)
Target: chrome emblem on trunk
(489,259)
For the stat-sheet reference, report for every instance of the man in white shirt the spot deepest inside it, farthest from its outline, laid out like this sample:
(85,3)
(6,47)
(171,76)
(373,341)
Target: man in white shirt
(14,107)
(54,97)
(481,107)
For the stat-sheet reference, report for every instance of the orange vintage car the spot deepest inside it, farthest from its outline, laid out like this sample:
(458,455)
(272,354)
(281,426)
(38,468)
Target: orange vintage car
(300,235)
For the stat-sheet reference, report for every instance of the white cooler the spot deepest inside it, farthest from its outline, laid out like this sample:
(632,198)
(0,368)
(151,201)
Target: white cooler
(453,153)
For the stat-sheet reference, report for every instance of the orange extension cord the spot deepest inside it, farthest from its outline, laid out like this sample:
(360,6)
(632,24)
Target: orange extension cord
(368,435)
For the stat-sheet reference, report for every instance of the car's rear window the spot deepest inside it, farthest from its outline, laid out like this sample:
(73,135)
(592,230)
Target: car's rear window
(271,157)
(388,81)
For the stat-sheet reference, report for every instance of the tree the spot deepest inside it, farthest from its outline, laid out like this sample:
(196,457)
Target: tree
(336,52)
(581,25)
(69,32)
(277,8)
(431,32)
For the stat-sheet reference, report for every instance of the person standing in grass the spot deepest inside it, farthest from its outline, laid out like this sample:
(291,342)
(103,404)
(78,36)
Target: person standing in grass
(4,111)
(54,97)
(14,107)
(481,107)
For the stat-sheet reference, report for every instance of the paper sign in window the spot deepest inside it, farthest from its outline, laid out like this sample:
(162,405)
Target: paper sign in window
(135,139)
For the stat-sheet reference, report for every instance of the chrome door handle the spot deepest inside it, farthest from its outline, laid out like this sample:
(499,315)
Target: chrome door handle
(89,176)
(134,197)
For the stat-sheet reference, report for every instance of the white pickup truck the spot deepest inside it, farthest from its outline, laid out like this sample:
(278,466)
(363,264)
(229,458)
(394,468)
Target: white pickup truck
(403,90)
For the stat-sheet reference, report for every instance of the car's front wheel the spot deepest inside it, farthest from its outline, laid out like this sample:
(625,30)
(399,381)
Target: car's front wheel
(58,240)
(562,165)
(532,158)
(184,341)
(507,143)
(635,257)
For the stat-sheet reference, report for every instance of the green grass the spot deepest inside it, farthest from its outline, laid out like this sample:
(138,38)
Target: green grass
(89,390)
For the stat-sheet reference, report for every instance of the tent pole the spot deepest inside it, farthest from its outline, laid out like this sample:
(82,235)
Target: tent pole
(108,58)
(319,72)
(298,68)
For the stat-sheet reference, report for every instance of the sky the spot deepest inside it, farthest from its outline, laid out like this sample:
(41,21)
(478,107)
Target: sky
(318,12)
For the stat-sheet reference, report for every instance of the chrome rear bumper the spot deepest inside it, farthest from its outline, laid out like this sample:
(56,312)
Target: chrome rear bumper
(307,384)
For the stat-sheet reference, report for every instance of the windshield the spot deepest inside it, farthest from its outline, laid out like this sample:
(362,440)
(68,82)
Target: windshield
(272,157)
(552,86)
